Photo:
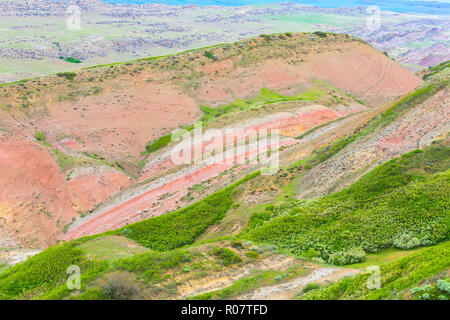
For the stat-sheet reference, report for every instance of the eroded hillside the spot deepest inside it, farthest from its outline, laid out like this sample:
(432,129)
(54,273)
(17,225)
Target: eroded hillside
(253,239)
(73,145)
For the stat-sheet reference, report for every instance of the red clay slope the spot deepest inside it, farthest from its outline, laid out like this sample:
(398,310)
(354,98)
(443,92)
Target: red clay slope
(114,111)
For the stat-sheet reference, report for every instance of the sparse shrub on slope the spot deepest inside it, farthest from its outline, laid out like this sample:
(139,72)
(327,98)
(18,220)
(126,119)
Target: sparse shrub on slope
(226,256)
(68,75)
(119,286)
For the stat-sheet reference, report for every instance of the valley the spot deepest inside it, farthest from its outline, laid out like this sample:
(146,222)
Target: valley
(89,178)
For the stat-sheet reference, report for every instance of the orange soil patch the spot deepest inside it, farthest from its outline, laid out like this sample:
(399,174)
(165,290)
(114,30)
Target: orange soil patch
(91,186)
(34,192)
(120,123)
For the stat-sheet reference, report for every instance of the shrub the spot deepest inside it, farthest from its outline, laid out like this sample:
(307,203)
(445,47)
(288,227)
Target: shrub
(310,253)
(176,229)
(68,75)
(210,55)
(152,265)
(40,136)
(158,143)
(46,270)
(444,285)
(266,37)
(236,244)
(406,241)
(252,254)
(119,286)
(353,255)
(320,34)
(398,277)
(186,269)
(310,286)
(226,256)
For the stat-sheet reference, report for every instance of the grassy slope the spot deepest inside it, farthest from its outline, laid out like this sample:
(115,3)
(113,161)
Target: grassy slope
(402,203)
(398,278)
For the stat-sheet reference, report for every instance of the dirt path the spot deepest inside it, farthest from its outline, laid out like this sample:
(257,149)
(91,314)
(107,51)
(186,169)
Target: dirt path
(288,290)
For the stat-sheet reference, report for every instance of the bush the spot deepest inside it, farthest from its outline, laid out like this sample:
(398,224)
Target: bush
(46,270)
(210,55)
(72,60)
(119,286)
(252,254)
(236,244)
(353,255)
(406,241)
(40,136)
(444,285)
(399,278)
(68,75)
(158,143)
(267,37)
(226,256)
(320,34)
(310,286)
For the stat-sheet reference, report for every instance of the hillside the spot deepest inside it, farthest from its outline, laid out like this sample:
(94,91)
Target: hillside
(245,235)
(79,144)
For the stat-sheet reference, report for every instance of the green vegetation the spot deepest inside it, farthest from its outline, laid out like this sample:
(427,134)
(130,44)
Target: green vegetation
(158,143)
(265,97)
(402,203)
(226,256)
(320,34)
(44,275)
(210,55)
(400,279)
(210,114)
(41,137)
(151,266)
(68,75)
(256,280)
(182,227)
(436,291)
(266,37)
(72,60)
(44,271)
(3,267)
(252,254)
(111,248)
(436,69)
(385,255)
